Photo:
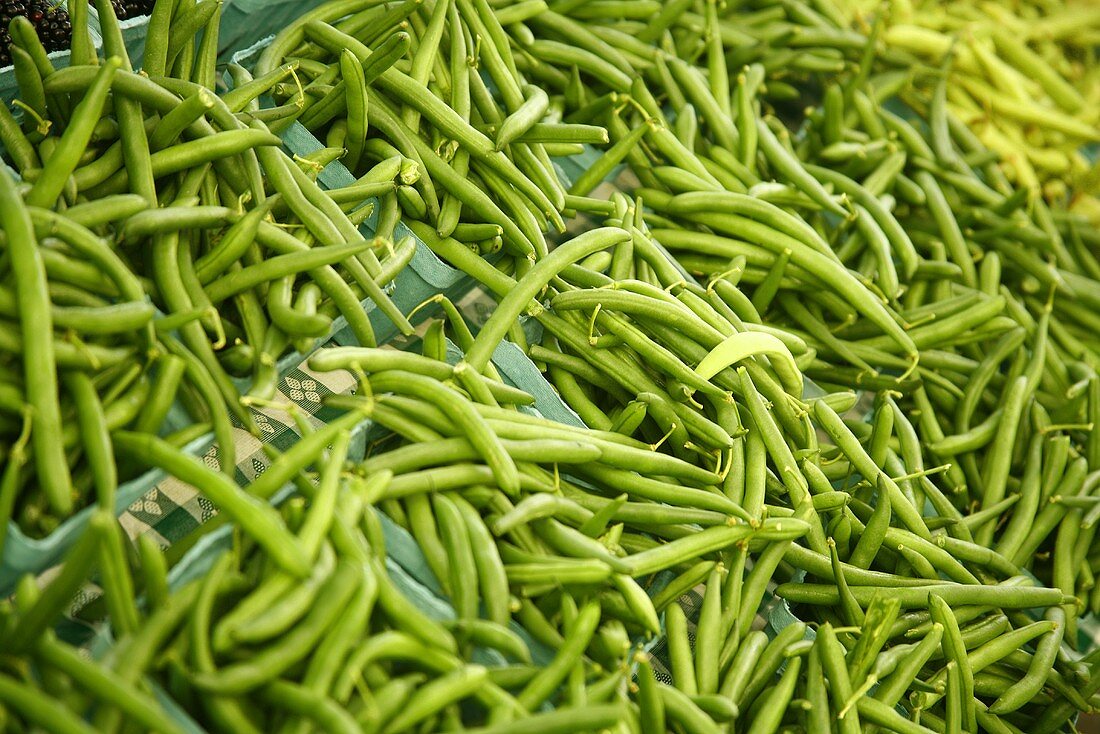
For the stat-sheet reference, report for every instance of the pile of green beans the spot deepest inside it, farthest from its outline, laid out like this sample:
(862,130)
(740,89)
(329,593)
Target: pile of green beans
(375,80)
(80,352)
(800,239)
(161,244)
(49,684)
(547,567)
(877,520)
(576,561)
(824,350)
(940,272)
(1026,62)
(862,538)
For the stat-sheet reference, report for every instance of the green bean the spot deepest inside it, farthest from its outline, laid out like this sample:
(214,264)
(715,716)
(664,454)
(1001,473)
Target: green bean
(853,614)
(756,583)
(305,703)
(460,556)
(247,89)
(777,447)
(881,616)
(468,194)
(419,456)
(745,662)
(519,122)
(604,165)
(877,713)
(33,622)
(693,83)
(559,571)
(421,522)
(259,520)
(949,228)
(154,571)
(407,91)
(1004,596)
(789,167)
(755,209)
(894,686)
(971,440)
(573,543)
(356,96)
(650,489)
(956,655)
(992,651)
(846,441)
(832,659)
(115,574)
(686,581)
(817,709)
(709,540)
(575,642)
(681,709)
(263,667)
(708,636)
(19,149)
(334,102)
(1071,484)
(777,699)
(679,650)
(519,298)
(11,475)
(280,266)
(182,156)
(95,437)
(933,553)
(427,50)
(562,721)
(326,278)
(651,707)
(132,133)
(180,50)
(1093,444)
(1026,688)
(490,634)
(829,271)
(462,414)
(301,454)
(104,684)
(40,377)
(172,125)
(661,358)
(29,80)
(40,708)
(662,21)
(292,321)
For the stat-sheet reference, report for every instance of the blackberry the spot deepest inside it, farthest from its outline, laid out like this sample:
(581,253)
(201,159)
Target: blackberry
(11,9)
(131,8)
(51,23)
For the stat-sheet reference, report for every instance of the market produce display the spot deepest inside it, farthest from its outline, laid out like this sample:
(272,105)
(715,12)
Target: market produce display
(815,445)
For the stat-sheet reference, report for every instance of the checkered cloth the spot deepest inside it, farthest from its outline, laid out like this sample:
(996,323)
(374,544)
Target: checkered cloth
(173,509)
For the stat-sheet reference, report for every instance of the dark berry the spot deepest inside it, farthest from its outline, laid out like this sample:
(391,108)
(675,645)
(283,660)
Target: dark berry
(50,20)
(124,9)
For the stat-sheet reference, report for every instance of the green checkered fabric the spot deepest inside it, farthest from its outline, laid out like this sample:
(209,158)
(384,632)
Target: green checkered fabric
(173,509)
